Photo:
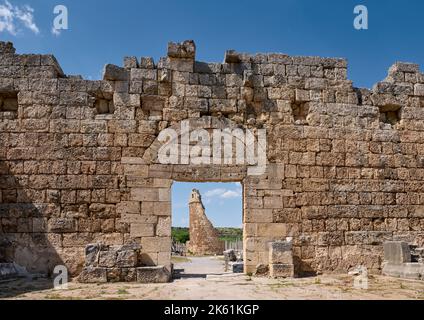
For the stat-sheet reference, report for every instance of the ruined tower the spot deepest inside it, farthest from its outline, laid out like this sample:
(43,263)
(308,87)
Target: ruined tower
(204,238)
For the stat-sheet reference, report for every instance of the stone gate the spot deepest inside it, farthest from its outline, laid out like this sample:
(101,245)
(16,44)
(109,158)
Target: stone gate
(79,158)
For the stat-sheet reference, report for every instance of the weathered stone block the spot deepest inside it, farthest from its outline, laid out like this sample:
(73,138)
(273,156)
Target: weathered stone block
(281,270)
(113,274)
(107,259)
(92,255)
(142,230)
(238,267)
(280,252)
(153,275)
(127,258)
(93,275)
(115,73)
(129,275)
(61,225)
(413,271)
(397,252)
(184,50)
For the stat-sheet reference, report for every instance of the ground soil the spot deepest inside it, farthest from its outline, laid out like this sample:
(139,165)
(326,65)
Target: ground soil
(205,278)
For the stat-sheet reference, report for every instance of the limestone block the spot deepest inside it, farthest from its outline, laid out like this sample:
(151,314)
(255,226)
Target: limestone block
(419,90)
(156,208)
(147,63)
(127,258)
(413,271)
(142,230)
(107,259)
(92,255)
(93,275)
(115,73)
(61,225)
(281,270)
(280,252)
(397,252)
(404,67)
(128,207)
(143,74)
(156,244)
(259,215)
(163,227)
(270,230)
(128,274)
(153,275)
(130,62)
(184,50)
(164,194)
(144,194)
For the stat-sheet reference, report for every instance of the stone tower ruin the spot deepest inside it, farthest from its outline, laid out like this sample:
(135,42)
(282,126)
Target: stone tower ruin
(204,238)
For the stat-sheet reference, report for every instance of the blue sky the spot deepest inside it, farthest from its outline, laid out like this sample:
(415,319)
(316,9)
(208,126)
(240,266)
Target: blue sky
(105,31)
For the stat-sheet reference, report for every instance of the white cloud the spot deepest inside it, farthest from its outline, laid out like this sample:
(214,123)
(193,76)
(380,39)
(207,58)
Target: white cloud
(214,192)
(230,194)
(223,193)
(13,17)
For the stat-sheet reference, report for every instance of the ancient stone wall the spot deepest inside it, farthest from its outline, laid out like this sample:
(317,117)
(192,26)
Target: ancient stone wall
(204,238)
(79,165)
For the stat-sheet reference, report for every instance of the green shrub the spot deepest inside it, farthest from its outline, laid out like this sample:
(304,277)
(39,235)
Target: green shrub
(181,235)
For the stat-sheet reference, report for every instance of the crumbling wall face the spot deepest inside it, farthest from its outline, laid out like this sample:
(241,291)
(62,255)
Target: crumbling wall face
(79,165)
(204,238)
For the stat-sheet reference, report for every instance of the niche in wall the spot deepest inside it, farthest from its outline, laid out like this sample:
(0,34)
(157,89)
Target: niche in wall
(390,114)
(8,101)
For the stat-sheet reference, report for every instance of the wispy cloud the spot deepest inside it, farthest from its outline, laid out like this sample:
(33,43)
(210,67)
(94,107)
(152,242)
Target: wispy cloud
(214,192)
(13,18)
(223,193)
(230,194)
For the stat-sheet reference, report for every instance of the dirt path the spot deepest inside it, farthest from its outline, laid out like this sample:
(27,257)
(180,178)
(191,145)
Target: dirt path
(200,267)
(204,278)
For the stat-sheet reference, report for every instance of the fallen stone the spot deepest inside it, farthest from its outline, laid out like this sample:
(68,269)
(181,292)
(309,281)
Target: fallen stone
(93,275)
(12,271)
(153,275)
(127,258)
(107,259)
(414,271)
(238,267)
(397,252)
